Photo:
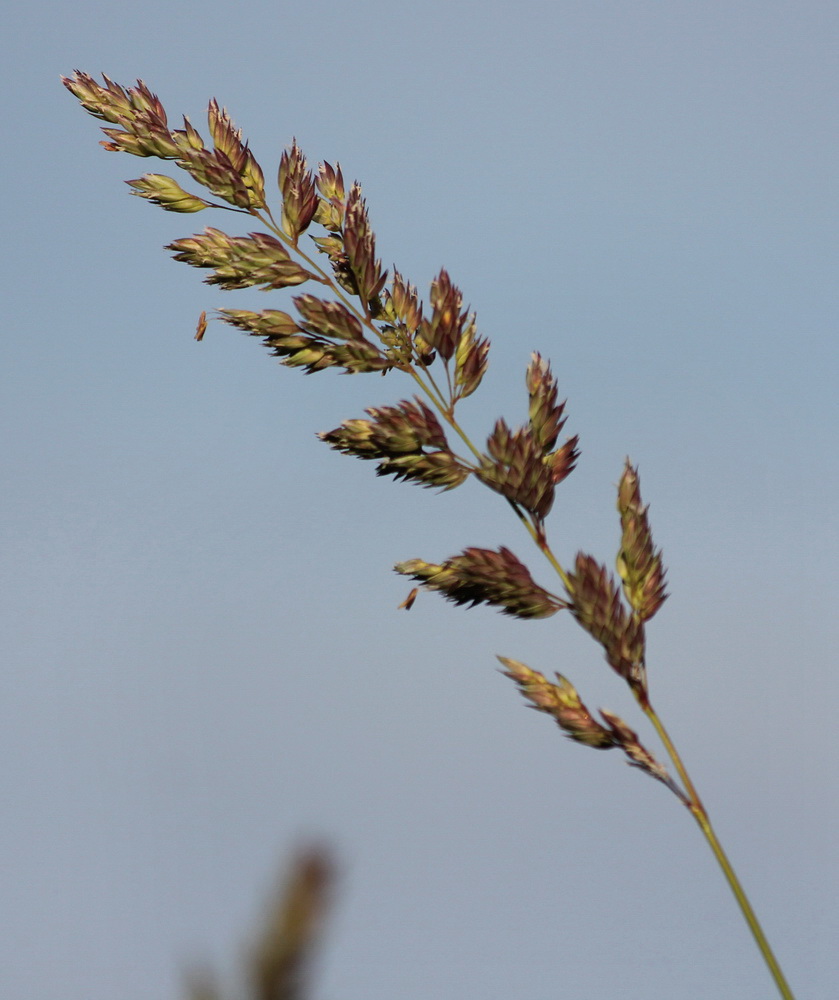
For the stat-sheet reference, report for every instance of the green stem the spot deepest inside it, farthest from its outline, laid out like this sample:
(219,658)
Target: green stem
(432,390)
(700,814)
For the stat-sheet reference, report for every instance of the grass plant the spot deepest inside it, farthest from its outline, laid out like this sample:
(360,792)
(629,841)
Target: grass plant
(358,318)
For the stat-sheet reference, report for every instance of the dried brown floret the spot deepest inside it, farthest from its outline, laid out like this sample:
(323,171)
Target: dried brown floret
(201,328)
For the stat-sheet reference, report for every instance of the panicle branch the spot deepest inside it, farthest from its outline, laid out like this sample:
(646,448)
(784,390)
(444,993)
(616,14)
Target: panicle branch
(241,261)
(563,703)
(406,440)
(360,249)
(300,197)
(524,465)
(485,576)
(597,606)
(639,562)
(313,351)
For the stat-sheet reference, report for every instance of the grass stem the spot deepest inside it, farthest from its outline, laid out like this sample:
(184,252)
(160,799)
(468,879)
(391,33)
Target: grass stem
(700,814)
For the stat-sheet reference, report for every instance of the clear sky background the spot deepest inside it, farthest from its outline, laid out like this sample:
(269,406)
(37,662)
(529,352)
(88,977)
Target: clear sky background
(204,664)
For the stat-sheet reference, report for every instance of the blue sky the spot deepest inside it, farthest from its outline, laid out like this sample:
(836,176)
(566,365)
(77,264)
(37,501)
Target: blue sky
(205,664)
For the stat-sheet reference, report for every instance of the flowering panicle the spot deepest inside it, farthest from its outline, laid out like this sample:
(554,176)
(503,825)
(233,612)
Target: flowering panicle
(387,328)
(406,440)
(367,324)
